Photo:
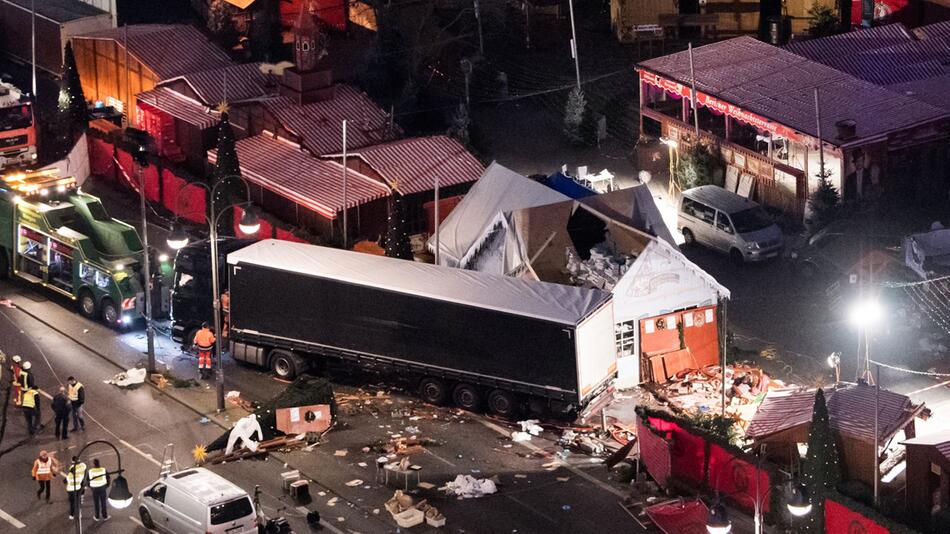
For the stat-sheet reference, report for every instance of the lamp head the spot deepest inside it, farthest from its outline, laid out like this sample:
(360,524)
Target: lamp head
(718,522)
(119,496)
(799,504)
(249,224)
(865,313)
(178,239)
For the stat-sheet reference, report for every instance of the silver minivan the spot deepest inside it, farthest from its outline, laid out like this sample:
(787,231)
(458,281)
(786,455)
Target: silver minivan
(722,220)
(197,501)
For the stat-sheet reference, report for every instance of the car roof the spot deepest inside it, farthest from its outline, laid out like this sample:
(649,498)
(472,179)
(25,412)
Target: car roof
(717,197)
(205,486)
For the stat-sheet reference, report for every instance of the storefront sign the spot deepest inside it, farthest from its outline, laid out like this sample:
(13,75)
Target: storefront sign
(721,106)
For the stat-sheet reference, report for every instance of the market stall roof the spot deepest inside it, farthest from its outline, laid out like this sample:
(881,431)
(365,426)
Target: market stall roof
(59,11)
(320,124)
(179,106)
(169,50)
(234,83)
(779,85)
(412,165)
(288,171)
(498,190)
(550,302)
(850,412)
(939,441)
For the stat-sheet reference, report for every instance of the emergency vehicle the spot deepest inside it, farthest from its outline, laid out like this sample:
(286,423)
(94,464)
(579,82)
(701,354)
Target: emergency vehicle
(52,234)
(17,128)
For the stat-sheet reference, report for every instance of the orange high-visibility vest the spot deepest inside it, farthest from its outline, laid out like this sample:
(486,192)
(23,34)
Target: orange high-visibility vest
(204,339)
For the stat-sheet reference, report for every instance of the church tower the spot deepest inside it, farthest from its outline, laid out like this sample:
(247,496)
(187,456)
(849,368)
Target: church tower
(310,79)
(305,40)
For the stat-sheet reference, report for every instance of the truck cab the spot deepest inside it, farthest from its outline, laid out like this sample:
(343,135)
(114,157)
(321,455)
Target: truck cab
(53,235)
(17,128)
(191,295)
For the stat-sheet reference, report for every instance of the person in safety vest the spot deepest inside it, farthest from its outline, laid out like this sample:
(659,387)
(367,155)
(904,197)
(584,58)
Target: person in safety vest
(204,342)
(30,412)
(99,482)
(45,468)
(15,370)
(75,475)
(76,393)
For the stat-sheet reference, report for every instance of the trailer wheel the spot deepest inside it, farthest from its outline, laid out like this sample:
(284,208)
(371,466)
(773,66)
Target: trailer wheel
(433,391)
(285,364)
(87,304)
(501,403)
(467,397)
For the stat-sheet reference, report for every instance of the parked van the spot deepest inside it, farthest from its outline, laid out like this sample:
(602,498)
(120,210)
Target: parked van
(727,222)
(197,501)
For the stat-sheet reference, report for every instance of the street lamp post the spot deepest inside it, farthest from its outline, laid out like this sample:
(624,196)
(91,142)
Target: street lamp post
(119,495)
(864,315)
(178,239)
(574,53)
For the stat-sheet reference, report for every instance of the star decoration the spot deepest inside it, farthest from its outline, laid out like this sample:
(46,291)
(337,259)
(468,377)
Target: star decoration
(199,453)
(223,107)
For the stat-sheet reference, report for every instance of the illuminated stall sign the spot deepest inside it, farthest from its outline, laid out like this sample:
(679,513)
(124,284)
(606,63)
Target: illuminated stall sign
(721,106)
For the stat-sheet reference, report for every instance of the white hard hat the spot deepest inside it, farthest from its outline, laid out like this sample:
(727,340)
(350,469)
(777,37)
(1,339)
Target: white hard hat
(27,365)
(16,358)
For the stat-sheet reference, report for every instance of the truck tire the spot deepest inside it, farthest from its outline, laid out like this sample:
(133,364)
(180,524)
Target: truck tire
(286,364)
(87,304)
(467,397)
(110,313)
(502,403)
(4,264)
(433,391)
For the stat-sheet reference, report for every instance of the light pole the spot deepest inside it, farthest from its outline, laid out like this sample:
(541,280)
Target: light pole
(119,495)
(865,314)
(574,54)
(178,239)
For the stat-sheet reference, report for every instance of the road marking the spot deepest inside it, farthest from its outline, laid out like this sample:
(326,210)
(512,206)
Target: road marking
(10,519)
(141,453)
(534,448)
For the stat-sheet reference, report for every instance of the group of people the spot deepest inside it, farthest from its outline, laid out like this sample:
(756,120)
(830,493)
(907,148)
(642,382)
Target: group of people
(69,400)
(76,477)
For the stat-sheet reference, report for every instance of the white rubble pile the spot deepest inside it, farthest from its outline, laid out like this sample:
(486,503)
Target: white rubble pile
(468,487)
(128,378)
(603,270)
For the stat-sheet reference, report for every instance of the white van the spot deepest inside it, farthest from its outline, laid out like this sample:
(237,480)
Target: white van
(727,222)
(197,501)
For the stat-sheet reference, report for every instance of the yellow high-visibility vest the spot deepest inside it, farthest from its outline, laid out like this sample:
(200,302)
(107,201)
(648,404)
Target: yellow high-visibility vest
(74,480)
(74,391)
(29,399)
(97,477)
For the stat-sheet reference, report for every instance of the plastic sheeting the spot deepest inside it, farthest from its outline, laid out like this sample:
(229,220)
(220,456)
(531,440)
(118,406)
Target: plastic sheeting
(540,300)
(840,518)
(736,478)
(498,190)
(680,517)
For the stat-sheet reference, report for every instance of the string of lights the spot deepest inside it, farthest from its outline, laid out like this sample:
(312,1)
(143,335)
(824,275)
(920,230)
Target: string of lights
(911,371)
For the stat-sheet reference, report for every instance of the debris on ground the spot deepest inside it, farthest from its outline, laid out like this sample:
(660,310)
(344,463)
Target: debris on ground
(234,397)
(408,514)
(304,391)
(9,304)
(531,426)
(132,377)
(403,446)
(303,419)
(468,487)
(158,380)
(518,436)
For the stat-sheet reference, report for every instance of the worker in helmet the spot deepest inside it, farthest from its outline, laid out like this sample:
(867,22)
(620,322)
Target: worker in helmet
(204,342)
(15,369)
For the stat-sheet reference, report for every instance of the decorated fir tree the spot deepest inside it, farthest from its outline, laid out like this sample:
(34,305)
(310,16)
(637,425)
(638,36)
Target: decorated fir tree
(397,239)
(226,168)
(821,471)
(459,128)
(574,111)
(824,200)
(72,98)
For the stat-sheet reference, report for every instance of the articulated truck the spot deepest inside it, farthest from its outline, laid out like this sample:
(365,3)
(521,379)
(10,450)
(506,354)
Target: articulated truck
(475,339)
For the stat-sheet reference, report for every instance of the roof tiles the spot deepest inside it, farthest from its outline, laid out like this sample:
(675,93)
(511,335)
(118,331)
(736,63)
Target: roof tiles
(178,106)
(241,83)
(412,165)
(320,124)
(290,172)
(169,50)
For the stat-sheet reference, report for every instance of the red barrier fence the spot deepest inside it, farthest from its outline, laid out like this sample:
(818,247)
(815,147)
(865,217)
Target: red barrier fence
(736,478)
(840,518)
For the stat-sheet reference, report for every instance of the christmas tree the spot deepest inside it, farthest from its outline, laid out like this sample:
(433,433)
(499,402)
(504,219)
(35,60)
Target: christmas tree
(574,111)
(397,240)
(821,471)
(226,168)
(824,200)
(459,129)
(74,99)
